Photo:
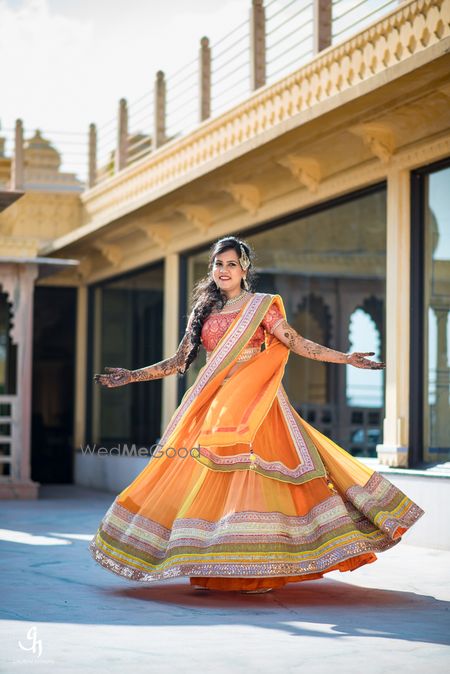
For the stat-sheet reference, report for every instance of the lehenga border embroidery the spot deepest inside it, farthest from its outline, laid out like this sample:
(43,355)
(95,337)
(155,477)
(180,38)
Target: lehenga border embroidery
(333,531)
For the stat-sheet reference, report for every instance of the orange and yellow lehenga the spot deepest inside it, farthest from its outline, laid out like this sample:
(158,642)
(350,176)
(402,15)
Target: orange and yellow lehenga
(250,495)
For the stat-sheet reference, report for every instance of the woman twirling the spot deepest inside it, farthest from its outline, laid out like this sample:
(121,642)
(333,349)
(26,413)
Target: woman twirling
(243,494)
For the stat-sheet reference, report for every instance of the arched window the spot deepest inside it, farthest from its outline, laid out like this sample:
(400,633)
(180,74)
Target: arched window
(364,388)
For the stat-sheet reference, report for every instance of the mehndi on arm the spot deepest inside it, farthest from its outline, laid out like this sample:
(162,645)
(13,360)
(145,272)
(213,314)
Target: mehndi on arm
(119,376)
(309,349)
(165,367)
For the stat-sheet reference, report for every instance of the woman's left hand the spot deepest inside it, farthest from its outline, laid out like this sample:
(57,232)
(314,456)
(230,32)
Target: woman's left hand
(358,359)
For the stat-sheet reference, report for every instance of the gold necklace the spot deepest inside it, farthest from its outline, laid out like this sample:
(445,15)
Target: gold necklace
(233,300)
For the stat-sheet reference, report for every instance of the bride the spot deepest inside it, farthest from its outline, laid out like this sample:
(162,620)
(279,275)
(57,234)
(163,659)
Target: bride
(243,494)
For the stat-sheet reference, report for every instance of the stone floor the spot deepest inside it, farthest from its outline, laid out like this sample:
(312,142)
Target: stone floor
(61,612)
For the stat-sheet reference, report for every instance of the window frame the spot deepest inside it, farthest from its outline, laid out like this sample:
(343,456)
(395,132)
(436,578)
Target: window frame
(416,457)
(268,225)
(90,335)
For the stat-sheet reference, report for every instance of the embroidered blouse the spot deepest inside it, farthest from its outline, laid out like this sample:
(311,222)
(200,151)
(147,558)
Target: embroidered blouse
(216,325)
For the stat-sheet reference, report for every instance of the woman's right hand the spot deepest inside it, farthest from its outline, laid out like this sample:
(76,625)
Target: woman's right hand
(117,376)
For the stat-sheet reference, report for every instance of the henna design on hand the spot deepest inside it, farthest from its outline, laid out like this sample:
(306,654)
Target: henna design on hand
(358,359)
(118,376)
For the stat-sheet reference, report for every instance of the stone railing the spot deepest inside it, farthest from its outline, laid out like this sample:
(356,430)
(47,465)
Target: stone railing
(273,38)
(276,37)
(402,35)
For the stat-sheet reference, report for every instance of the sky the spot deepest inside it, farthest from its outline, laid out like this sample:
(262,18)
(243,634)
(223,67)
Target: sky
(67,63)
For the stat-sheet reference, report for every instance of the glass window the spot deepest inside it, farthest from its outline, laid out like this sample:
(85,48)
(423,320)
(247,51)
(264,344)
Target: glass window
(329,267)
(437,316)
(127,332)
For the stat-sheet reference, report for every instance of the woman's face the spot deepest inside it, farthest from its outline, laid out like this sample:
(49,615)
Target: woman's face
(227,272)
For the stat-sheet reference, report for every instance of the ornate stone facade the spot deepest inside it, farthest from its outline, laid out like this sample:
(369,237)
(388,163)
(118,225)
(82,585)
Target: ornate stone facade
(370,109)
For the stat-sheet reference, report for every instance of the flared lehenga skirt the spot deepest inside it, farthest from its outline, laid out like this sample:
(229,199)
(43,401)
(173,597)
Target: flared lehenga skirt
(229,524)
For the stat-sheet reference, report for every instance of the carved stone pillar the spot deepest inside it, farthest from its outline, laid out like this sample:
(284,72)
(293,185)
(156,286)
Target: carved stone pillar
(170,334)
(17,281)
(394,449)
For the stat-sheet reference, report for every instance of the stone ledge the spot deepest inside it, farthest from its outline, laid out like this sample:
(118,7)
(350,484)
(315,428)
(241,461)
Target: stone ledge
(441,470)
(19,490)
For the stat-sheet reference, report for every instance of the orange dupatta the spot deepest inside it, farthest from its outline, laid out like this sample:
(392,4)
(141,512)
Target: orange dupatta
(212,416)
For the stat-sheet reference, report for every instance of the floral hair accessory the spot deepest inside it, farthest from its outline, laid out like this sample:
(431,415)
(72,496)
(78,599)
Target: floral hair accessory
(243,260)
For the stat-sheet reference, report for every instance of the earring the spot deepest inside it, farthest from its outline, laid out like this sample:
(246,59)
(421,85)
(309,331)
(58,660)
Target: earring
(246,286)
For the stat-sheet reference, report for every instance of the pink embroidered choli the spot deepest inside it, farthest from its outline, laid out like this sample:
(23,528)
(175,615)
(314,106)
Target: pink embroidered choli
(216,325)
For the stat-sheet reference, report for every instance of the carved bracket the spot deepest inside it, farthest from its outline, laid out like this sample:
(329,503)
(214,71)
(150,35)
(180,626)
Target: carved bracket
(304,169)
(157,232)
(200,216)
(246,195)
(111,252)
(84,268)
(379,137)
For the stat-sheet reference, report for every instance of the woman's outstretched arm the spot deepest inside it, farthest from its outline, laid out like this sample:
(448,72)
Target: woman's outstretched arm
(305,347)
(119,376)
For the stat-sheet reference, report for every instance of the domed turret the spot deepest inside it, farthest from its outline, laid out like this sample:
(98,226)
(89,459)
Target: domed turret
(40,153)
